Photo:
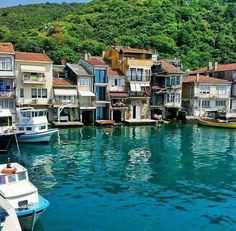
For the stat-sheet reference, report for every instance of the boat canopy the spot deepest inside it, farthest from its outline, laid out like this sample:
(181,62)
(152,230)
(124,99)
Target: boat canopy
(5,113)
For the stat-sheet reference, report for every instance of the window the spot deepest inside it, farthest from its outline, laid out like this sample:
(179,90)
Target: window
(167,80)
(11,178)
(133,73)
(42,127)
(84,82)
(139,74)
(2,180)
(100,93)
(177,97)
(220,103)
(44,93)
(204,90)
(172,81)
(221,90)
(39,93)
(177,80)
(205,103)
(100,76)
(28,128)
(21,176)
(5,64)
(21,92)
(172,97)
(33,93)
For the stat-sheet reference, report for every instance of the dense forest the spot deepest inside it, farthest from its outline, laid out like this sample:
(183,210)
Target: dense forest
(194,31)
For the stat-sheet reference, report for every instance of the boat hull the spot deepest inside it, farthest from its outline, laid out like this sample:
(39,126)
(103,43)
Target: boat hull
(28,217)
(217,124)
(5,141)
(37,137)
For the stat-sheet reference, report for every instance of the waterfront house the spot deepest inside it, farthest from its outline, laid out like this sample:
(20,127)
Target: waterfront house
(136,65)
(7,77)
(64,106)
(205,96)
(223,71)
(98,68)
(34,79)
(166,89)
(77,74)
(117,95)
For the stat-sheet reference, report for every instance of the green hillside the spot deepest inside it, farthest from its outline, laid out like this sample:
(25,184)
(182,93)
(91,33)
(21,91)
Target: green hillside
(195,31)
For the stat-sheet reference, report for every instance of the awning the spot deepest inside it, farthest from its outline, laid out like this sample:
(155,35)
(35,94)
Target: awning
(86,93)
(33,69)
(5,113)
(119,95)
(65,92)
(135,87)
(144,84)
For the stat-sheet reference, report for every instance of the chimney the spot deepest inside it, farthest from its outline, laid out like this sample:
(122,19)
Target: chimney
(103,53)
(85,56)
(197,77)
(215,65)
(62,61)
(209,66)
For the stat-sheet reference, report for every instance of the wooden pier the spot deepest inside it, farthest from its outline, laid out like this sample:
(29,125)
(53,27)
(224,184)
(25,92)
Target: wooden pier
(105,123)
(11,223)
(140,122)
(67,124)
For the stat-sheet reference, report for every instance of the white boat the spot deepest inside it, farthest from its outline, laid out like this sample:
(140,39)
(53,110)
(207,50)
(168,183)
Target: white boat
(21,194)
(34,124)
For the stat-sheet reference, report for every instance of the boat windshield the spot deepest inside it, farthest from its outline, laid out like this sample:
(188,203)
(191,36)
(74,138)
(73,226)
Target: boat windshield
(2,180)
(37,113)
(13,177)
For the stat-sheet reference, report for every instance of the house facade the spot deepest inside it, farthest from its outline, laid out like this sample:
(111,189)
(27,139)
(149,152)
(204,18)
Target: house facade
(34,78)
(136,65)
(77,74)
(222,71)
(98,68)
(117,95)
(7,77)
(64,107)
(205,96)
(166,89)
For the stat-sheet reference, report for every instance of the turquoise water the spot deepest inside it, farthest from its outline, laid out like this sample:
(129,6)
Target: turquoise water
(173,177)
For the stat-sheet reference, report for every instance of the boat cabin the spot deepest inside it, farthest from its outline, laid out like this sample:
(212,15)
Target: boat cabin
(16,187)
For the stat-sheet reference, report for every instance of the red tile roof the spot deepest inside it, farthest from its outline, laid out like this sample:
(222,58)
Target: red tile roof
(41,57)
(114,72)
(204,79)
(96,61)
(167,67)
(6,48)
(220,67)
(61,82)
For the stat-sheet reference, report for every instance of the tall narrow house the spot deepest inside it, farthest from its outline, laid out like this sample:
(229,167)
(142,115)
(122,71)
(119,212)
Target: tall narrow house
(7,77)
(136,65)
(97,67)
(34,79)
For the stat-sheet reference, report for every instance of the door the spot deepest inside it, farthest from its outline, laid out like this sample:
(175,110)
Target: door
(136,112)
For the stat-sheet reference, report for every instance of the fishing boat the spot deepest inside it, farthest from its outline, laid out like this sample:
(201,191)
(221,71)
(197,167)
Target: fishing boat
(7,132)
(34,124)
(217,123)
(21,194)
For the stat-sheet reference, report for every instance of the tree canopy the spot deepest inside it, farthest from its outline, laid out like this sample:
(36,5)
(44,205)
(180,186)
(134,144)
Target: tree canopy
(195,31)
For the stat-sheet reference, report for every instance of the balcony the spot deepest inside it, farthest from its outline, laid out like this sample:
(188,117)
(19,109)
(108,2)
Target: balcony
(34,78)
(139,94)
(138,62)
(141,78)
(6,94)
(61,102)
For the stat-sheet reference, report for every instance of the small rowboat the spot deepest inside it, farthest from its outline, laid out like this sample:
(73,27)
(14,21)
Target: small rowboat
(217,123)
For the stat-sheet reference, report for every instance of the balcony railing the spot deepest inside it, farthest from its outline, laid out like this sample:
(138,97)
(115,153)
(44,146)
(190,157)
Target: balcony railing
(6,94)
(138,78)
(63,102)
(87,104)
(40,79)
(139,94)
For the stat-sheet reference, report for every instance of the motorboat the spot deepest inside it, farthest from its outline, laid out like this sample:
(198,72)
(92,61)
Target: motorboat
(34,124)
(7,131)
(217,123)
(21,194)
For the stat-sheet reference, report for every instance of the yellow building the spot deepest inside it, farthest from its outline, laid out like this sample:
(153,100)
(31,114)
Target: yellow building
(34,79)
(136,65)
(205,96)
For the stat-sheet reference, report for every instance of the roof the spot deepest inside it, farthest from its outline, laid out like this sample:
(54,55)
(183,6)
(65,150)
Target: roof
(41,57)
(204,79)
(220,67)
(131,50)
(169,68)
(6,48)
(96,61)
(114,72)
(77,69)
(60,82)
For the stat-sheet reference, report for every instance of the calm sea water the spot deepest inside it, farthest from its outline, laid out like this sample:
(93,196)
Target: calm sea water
(173,177)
